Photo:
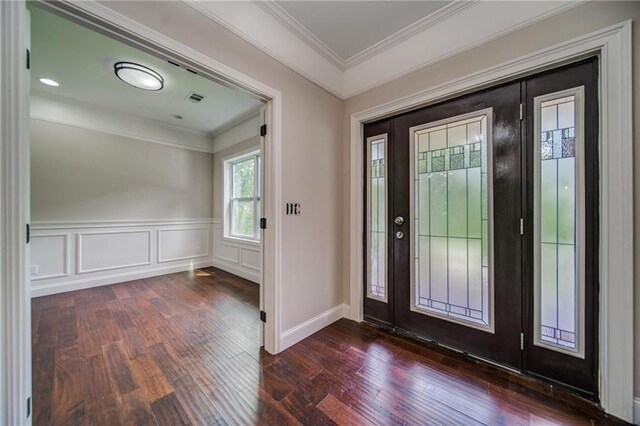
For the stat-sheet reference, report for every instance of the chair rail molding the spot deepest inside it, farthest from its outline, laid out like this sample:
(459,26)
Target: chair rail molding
(613,45)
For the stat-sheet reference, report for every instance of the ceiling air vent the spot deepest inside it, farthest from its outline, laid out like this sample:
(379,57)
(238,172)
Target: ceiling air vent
(194,97)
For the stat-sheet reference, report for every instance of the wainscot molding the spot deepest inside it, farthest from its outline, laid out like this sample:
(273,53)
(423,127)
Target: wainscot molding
(311,326)
(95,253)
(242,258)
(109,279)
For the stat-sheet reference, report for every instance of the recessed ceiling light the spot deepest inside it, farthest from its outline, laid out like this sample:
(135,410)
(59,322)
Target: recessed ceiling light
(48,82)
(138,76)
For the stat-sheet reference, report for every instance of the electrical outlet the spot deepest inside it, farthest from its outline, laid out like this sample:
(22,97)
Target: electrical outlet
(34,270)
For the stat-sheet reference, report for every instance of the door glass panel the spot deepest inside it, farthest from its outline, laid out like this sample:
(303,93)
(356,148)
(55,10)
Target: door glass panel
(558,227)
(452,220)
(377,217)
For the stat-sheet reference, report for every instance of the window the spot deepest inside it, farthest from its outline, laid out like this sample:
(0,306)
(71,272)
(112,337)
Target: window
(242,195)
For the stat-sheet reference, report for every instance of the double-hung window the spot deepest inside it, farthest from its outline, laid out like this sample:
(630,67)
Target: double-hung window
(242,183)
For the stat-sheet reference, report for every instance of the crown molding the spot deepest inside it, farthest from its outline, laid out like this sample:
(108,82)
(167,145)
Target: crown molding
(463,24)
(252,23)
(418,26)
(293,25)
(252,113)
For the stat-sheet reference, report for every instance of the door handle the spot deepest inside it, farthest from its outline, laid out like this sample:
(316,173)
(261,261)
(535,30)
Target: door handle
(399,220)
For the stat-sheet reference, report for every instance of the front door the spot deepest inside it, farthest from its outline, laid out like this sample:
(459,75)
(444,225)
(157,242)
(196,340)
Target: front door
(459,224)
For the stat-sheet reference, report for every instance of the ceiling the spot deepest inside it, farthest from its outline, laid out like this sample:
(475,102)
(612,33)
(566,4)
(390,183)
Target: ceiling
(349,27)
(350,47)
(81,60)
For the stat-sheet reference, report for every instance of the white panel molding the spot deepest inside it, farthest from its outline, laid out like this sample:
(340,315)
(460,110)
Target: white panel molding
(245,264)
(80,269)
(163,259)
(228,254)
(613,45)
(108,279)
(66,254)
(300,332)
(463,25)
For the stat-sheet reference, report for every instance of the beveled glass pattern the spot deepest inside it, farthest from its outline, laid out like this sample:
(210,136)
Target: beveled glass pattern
(557,251)
(377,285)
(451,229)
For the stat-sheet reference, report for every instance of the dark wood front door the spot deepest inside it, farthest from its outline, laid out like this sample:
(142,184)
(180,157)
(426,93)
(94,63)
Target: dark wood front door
(475,224)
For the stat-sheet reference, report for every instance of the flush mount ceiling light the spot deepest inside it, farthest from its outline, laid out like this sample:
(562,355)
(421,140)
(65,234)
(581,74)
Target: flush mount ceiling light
(48,82)
(138,76)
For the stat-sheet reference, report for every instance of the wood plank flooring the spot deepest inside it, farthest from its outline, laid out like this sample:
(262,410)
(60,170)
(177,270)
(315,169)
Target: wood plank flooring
(183,349)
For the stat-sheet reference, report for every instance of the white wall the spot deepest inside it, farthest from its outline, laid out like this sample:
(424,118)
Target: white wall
(578,21)
(238,257)
(109,208)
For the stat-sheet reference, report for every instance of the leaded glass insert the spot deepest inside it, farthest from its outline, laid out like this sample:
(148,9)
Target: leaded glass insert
(450,236)
(377,214)
(558,228)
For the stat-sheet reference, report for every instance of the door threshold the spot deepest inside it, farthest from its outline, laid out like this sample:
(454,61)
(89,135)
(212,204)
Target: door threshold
(518,381)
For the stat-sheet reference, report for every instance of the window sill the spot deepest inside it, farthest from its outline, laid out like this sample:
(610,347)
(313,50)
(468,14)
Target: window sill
(238,240)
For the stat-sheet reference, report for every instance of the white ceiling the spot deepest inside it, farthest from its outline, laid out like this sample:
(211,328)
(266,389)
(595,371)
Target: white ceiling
(349,27)
(81,60)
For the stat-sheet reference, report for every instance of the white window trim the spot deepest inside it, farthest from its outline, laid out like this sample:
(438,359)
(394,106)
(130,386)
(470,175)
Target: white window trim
(488,113)
(613,46)
(578,93)
(228,182)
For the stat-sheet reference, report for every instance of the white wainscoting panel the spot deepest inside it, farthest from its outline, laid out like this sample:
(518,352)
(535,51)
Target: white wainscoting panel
(235,256)
(75,255)
(106,250)
(50,252)
(180,244)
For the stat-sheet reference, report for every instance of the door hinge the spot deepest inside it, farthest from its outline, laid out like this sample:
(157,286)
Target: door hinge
(520,111)
(28,407)
(28,59)
(263,130)
(263,223)
(521,226)
(522,341)
(263,316)
(28,233)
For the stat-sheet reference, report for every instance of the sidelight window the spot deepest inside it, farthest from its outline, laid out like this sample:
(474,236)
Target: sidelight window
(559,221)
(377,217)
(452,220)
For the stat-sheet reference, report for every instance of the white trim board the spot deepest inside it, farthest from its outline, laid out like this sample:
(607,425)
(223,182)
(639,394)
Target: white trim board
(80,284)
(636,411)
(311,326)
(463,25)
(613,45)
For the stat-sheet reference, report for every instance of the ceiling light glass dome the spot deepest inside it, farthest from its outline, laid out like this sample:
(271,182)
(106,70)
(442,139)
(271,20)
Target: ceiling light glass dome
(138,76)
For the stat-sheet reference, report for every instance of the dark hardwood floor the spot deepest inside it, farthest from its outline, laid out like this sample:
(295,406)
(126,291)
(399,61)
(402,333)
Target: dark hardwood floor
(184,349)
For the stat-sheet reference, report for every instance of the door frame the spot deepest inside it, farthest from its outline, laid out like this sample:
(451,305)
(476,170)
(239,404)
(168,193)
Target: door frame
(613,47)
(15,312)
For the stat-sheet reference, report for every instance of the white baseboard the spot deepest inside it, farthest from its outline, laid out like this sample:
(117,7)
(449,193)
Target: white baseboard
(234,269)
(309,327)
(80,284)
(636,410)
